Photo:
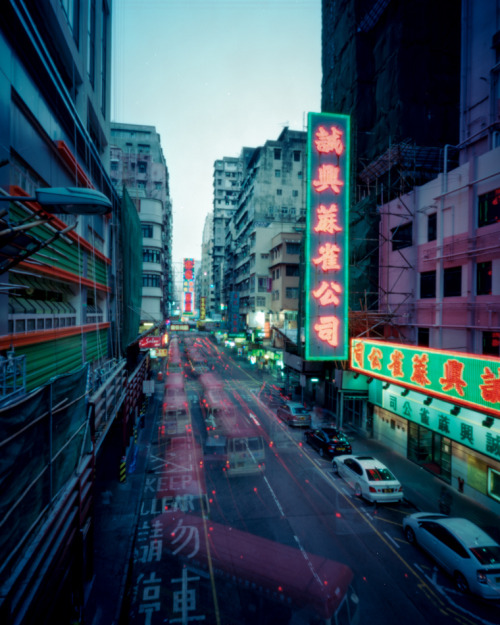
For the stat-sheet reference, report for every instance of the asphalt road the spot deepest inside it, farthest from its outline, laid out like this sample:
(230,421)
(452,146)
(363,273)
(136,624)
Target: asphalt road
(297,502)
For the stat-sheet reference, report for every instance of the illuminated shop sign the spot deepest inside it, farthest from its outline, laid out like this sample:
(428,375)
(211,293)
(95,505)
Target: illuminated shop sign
(203,307)
(188,286)
(327,236)
(464,379)
(467,429)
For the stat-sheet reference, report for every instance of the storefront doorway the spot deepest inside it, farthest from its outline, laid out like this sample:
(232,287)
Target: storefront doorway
(430,450)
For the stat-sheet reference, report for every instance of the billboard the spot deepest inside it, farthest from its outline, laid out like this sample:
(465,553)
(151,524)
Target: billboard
(327,231)
(465,379)
(188,286)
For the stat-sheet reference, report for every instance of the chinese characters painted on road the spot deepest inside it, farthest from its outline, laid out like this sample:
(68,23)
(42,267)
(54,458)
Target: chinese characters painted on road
(466,379)
(326,236)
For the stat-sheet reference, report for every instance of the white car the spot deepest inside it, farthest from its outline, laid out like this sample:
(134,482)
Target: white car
(369,478)
(462,548)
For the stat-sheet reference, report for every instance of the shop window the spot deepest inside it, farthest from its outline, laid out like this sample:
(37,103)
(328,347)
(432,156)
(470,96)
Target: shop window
(402,236)
(452,281)
(483,278)
(489,208)
(432,227)
(427,284)
(491,343)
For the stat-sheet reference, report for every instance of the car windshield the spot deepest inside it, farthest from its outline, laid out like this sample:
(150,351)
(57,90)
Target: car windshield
(487,555)
(379,474)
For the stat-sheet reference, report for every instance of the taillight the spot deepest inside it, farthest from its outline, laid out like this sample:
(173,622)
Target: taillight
(372,489)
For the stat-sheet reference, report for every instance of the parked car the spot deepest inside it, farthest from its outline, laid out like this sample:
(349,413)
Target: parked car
(462,548)
(328,441)
(368,477)
(294,413)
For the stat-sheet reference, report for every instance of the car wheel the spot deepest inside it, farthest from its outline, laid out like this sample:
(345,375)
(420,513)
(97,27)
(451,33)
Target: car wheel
(410,535)
(460,583)
(321,452)
(357,490)
(335,467)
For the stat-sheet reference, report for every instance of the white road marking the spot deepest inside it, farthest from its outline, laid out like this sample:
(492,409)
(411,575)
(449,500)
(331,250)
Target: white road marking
(389,537)
(276,501)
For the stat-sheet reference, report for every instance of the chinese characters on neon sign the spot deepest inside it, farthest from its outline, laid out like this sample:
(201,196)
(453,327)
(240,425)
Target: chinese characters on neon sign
(188,286)
(327,236)
(466,379)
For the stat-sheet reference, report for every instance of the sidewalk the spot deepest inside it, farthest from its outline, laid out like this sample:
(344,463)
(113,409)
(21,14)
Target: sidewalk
(422,488)
(115,520)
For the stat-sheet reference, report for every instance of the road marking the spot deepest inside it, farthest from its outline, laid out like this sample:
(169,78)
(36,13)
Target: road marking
(276,501)
(392,540)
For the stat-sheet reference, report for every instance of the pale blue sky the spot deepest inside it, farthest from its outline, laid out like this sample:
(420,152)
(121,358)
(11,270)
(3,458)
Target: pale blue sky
(213,76)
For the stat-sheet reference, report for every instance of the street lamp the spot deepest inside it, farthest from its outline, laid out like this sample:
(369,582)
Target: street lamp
(68,200)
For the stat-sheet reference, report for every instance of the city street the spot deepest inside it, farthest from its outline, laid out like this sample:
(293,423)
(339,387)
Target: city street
(298,502)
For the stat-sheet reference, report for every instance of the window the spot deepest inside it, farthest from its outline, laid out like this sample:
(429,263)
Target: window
(293,248)
(279,191)
(299,175)
(142,167)
(292,292)
(147,231)
(277,173)
(264,256)
(423,337)
(150,279)
(491,343)
(431,227)
(150,255)
(70,8)
(91,42)
(402,236)
(295,193)
(427,284)
(297,156)
(292,270)
(483,278)
(114,165)
(277,154)
(489,208)
(104,56)
(452,281)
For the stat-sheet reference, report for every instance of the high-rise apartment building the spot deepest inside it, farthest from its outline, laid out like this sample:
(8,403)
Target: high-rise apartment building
(138,164)
(64,375)
(394,67)
(271,202)
(205,283)
(228,175)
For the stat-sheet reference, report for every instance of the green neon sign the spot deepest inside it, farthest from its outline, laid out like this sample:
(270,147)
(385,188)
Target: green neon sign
(465,379)
(327,237)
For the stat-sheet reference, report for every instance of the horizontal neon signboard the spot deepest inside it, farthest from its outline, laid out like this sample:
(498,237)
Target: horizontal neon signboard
(465,379)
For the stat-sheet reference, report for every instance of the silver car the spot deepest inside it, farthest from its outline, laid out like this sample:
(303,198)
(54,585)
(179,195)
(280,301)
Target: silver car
(369,478)
(294,413)
(462,548)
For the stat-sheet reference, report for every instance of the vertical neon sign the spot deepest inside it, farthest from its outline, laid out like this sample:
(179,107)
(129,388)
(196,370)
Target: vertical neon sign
(188,286)
(327,259)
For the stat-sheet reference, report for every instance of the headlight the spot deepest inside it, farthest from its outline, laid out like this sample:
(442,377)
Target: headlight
(481,577)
